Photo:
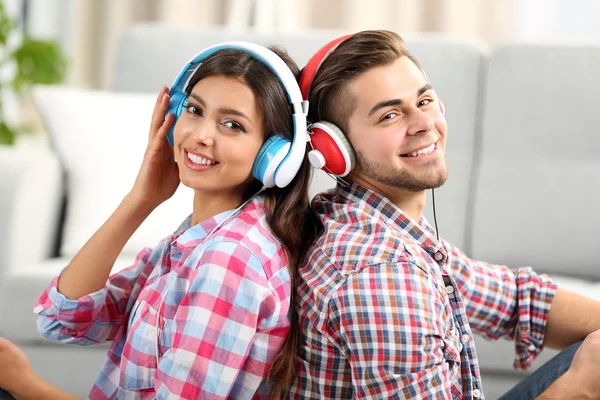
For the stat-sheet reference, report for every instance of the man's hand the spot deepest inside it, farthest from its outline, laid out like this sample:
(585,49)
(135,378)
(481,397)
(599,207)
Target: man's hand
(582,380)
(585,368)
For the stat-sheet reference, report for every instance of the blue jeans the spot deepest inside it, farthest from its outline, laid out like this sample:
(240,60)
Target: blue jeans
(535,384)
(4,395)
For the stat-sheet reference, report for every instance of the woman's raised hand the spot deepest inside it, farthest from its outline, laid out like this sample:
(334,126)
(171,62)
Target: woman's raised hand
(158,177)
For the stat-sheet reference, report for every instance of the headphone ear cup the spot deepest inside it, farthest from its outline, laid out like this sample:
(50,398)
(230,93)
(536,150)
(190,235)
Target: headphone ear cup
(331,150)
(269,158)
(176,105)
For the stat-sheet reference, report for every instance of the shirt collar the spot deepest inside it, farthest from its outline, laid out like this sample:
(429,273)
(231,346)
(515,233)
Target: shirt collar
(190,236)
(374,203)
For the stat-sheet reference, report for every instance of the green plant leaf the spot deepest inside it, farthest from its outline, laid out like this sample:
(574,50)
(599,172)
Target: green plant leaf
(6,25)
(7,135)
(38,61)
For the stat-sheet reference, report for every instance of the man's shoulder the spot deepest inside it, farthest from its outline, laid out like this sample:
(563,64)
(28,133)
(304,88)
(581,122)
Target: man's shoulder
(354,237)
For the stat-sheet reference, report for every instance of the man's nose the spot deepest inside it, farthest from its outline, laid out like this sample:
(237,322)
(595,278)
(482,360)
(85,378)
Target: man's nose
(420,123)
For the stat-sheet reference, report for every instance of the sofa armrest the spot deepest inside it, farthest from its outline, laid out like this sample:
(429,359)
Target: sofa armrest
(31,195)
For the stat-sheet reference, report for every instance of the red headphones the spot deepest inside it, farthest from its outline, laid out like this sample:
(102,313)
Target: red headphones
(330,149)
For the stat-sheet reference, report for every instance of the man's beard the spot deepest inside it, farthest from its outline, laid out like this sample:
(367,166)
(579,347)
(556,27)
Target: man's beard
(435,174)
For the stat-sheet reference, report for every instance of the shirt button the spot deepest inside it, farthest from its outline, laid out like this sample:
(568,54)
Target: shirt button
(438,256)
(532,347)
(476,393)
(465,338)
(449,289)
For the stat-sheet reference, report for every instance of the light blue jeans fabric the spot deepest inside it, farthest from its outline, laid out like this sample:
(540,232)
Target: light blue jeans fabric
(536,383)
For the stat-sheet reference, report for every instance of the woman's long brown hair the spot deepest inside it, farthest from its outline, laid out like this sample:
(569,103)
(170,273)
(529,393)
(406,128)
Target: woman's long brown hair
(288,210)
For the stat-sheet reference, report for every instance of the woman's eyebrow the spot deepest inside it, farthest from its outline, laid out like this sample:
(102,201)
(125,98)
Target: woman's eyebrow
(230,111)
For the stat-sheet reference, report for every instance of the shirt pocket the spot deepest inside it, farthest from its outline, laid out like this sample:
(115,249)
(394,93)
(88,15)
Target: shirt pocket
(139,362)
(452,346)
(452,350)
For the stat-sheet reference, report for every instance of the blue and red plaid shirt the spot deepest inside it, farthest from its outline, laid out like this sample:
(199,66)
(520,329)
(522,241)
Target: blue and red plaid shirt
(221,306)
(389,312)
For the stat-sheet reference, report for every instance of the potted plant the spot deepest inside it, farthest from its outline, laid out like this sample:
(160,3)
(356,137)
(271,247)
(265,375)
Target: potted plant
(35,61)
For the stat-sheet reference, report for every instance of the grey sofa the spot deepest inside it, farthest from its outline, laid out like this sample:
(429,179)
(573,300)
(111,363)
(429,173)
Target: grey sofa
(522,155)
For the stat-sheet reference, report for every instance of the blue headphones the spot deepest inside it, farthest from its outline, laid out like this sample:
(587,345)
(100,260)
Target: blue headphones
(278,160)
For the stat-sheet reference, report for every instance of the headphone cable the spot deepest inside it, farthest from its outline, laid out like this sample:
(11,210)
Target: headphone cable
(434,216)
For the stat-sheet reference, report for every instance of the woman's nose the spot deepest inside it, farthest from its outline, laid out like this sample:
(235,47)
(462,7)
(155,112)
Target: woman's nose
(202,134)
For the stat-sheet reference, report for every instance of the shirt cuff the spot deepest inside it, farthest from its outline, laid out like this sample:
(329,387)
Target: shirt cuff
(56,302)
(535,295)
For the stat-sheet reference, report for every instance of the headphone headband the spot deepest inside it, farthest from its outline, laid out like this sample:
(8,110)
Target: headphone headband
(309,72)
(289,157)
(263,54)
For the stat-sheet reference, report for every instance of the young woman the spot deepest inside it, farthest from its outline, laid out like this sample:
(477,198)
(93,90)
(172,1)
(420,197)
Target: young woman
(204,314)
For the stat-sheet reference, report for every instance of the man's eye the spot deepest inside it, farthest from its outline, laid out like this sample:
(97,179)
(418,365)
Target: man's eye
(424,102)
(389,116)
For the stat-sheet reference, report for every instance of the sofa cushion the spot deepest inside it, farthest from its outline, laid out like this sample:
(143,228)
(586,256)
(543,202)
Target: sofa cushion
(22,287)
(31,191)
(537,189)
(100,138)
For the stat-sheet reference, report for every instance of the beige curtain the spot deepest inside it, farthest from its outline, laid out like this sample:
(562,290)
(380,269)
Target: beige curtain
(97,25)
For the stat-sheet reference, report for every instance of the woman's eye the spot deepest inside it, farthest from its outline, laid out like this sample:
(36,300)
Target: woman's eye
(193,109)
(234,126)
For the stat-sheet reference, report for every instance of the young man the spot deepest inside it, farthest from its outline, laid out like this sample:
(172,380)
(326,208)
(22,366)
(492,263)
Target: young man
(387,309)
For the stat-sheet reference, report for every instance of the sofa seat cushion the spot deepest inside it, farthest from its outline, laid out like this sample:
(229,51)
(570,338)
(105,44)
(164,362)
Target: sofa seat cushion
(20,289)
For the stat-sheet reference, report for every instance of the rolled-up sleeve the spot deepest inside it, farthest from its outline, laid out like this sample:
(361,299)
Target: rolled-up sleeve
(96,317)
(504,302)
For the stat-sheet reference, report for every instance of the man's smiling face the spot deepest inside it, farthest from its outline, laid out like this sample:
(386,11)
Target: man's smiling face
(397,128)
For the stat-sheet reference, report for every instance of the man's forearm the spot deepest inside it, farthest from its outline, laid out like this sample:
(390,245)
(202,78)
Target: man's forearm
(572,317)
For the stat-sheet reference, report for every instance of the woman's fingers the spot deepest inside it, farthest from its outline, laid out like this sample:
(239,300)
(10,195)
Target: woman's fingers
(159,138)
(161,134)
(158,115)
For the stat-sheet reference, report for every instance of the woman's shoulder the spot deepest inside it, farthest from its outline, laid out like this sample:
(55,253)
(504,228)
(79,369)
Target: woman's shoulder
(250,230)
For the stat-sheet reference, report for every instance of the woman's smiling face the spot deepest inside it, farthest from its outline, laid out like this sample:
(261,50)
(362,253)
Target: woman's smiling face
(218,136)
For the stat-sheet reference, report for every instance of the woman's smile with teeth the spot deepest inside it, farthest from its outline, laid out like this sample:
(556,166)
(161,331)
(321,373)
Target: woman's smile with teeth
(200,160)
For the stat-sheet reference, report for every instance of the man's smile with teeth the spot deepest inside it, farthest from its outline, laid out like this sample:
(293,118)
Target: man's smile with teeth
(421,152)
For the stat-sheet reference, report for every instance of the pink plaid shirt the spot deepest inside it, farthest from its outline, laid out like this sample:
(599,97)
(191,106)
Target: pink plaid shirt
(389,312)
(221,307)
